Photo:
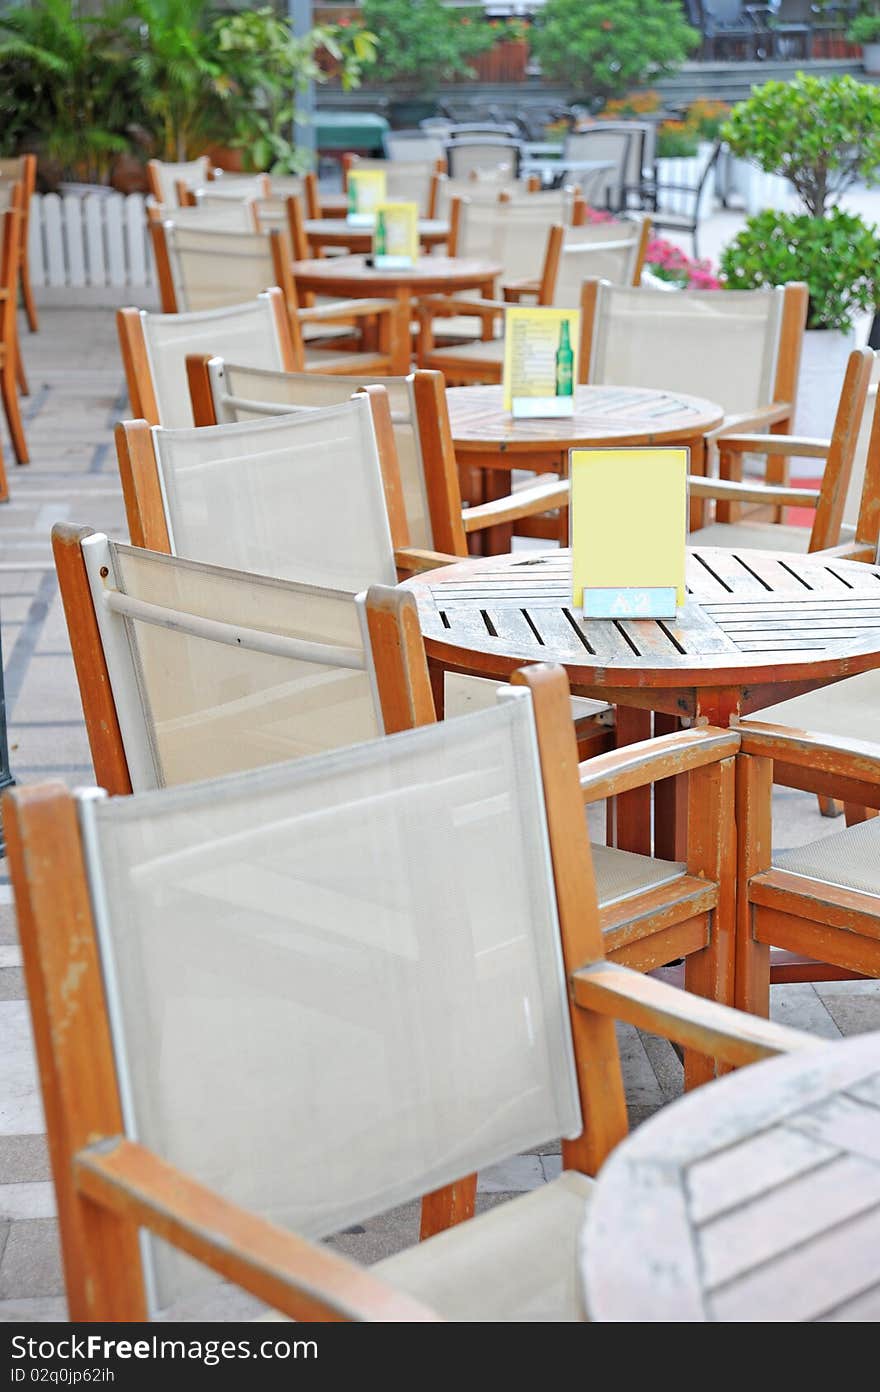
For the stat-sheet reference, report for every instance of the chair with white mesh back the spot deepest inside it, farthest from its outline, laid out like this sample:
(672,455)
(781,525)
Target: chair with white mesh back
(155,348)
(614,251)
(188,671)
(614,143)
(215,215)
(406,181)
(740,349)
(238,188)
(165,175)
(436,519)
(313,496)
(497,156)
(419,145)
(401,943)
(559,205)
(200,269)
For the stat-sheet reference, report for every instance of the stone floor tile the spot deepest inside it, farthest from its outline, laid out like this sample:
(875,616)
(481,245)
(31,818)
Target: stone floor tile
(516,1175)
(24,1159)
(796,1003)
(31,1263)
(21,1111)
(37,1310)
(36,1200)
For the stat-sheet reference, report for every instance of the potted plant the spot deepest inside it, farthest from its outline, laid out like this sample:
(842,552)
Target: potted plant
(821,134)
(420,43)
(602,48)
(865,30)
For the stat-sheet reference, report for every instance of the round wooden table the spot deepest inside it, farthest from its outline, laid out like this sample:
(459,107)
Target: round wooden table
(757,628)
(755,1198)
(349,277)
(489,442)
(336,232)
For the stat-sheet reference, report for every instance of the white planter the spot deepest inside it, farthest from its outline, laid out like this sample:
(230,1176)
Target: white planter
(823,364)
(871,57)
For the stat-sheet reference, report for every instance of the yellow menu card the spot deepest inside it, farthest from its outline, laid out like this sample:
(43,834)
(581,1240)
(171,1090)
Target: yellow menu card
(540,361)
(366,190)
(396,235)
(628,523)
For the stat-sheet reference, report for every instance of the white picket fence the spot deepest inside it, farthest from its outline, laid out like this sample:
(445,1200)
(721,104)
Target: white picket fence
(98,240)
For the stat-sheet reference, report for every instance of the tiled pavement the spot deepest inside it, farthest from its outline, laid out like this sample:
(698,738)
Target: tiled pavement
(77,395)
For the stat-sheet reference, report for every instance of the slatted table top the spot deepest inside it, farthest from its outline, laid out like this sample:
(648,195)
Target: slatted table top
(602,415)
(352,276)
(757,626)
(756,1198)
(337,232)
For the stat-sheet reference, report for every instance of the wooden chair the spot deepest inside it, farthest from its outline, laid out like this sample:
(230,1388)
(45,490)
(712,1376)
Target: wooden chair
(819,903)
(188,671)
(237,188)
(740,349)
(827,501)
(499,157)
(155,348)
(224,910)
(22,170)
(312,496)
(10,222)
(406,181)
(214,215)
(560,205)
(166,175)
(200,270)
(614,251)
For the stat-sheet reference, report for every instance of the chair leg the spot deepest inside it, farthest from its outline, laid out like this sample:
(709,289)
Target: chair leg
(27,295)
(445,1207)
(20,375)
(13,412)
(4,485)
(754,785)
(829,806)
(855,814)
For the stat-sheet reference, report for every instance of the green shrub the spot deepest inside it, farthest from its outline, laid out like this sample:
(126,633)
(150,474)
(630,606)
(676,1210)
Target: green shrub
(602,48)
(422,42)
(865,29)
(821,133)
(838,256)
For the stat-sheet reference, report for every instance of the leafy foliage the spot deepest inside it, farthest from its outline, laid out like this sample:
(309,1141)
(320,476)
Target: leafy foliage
(66,86)
(865,28)
(821,133)
(421,42)
(838,256)
(604,47)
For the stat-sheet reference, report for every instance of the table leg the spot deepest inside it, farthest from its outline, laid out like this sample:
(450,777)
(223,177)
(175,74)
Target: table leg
(497,541)
(400,347)
(632,811)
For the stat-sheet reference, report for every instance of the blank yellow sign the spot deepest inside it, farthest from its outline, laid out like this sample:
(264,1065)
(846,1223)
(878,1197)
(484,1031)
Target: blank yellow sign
(628,520)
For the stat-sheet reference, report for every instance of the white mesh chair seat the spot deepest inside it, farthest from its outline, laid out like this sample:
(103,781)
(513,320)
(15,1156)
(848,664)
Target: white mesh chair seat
(211,269)
(233,188)
(299,497)
(358,932)
(274,671)
(247,332)
(849,709)
(722,346)
(491,351)
(193,173)
(850,859)
(516,1263)
(463,694)
(621,874)
(241,393)
(754,536)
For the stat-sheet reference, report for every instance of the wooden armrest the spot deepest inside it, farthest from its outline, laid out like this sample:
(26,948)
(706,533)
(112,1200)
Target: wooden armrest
(699,487)
(752,420)
(774,444)
(634,765)
(346,309)
(524,503)
(831,755)
(434,304)
(716,1030)
(301,1279)
(414,560)
(849,551)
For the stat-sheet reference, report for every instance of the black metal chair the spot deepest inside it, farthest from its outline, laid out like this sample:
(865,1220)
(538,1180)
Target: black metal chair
(726,24)
(688,222)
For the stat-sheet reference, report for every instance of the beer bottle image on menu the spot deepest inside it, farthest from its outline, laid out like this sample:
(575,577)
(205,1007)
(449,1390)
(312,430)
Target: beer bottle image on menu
(379,238)
(352,196)
(564,362)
